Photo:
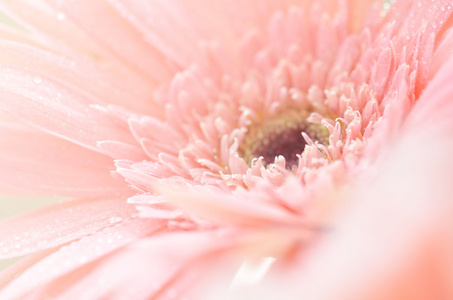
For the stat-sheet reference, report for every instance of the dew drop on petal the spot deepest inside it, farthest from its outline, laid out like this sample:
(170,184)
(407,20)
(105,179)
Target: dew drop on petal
(37,79)
(114,220)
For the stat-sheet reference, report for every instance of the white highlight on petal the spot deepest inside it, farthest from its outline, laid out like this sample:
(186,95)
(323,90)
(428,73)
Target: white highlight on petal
(251,272)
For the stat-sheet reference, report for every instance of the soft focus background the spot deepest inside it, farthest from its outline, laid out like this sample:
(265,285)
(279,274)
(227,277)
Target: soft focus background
(11,206)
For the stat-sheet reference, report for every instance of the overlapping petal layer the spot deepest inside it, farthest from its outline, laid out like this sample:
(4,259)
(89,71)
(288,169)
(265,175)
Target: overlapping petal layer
(159,98)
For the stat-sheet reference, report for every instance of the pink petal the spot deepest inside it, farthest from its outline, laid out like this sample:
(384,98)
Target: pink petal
(102,23)
(119,150)
(432,112)
(13,271)
(394,239)
(58,33)
(78,73)
(56,108)
(246,209)
(60,223)
(79,254)
(38,162)
(359,11)
(152,270)
(13,34)
(195,21)
(141,182)
(178,41)
(412,15)
(443,51)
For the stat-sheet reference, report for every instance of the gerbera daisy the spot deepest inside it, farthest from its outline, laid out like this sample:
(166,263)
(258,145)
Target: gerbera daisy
(206,143)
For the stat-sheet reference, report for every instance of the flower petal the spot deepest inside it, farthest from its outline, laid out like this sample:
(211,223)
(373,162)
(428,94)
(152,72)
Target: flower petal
(393,241)
(396,239)
(13,271)
(68,36)
(63,111)
(245,209)
(78,73)
(359,11)
(195,21)
(102,23)
(154,268)
(60,223)
(52,30)
(41,163)
(78,254)
(434,108)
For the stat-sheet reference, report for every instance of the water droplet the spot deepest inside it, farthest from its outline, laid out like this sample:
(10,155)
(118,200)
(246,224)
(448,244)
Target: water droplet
(385,9)
(114,220)
(37,80)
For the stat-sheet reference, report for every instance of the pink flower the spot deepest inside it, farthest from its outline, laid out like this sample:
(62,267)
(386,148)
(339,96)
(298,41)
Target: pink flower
(228,149)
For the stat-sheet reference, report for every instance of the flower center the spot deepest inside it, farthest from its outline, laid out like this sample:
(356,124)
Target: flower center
(281,135)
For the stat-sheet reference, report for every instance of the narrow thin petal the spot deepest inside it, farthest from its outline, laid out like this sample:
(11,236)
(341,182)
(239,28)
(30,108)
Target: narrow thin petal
(221,207)
(195,21)
(434,109)
(393,241)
